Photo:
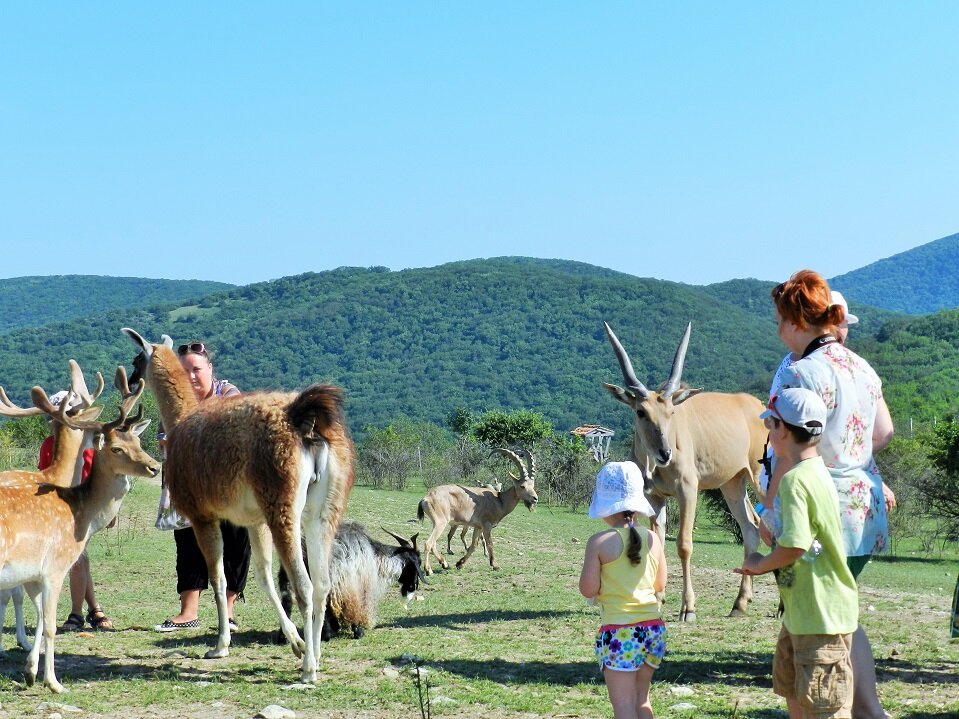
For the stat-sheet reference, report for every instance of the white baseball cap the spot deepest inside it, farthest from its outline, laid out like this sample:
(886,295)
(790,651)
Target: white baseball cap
(57,397)
(838,299)
(619,488)
(798,407)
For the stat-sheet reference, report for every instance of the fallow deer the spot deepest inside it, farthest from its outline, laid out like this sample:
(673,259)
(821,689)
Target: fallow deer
(44,528)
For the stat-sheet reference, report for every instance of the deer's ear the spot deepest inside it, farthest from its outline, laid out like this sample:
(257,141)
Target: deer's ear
(138,428)
(99,441)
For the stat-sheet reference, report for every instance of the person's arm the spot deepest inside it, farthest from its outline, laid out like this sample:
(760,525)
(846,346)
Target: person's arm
(656,550)
(781,556)
(882,430)
(589,577)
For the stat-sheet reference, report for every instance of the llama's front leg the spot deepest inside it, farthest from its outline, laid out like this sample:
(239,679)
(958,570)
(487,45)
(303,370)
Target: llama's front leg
(261,544)
(210,540)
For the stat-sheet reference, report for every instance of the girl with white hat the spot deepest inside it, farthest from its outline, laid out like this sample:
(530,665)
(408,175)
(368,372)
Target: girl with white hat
(623,571)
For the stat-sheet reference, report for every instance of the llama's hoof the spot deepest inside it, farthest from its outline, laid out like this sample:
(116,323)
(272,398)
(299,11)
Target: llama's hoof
(217,654)
(308,676)
(30,678)
(299,647)
(55,686)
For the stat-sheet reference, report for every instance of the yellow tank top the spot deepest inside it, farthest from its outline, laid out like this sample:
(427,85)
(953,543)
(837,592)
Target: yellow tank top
(626,594)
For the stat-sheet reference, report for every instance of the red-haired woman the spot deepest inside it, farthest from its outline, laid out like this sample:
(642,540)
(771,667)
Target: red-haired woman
(858,425)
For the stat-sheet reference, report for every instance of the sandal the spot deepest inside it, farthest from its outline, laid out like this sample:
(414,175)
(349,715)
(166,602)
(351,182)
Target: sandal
(99,621)
(74,623)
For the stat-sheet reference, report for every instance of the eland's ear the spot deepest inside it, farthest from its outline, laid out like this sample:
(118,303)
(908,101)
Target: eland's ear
(684,394)
(620,394)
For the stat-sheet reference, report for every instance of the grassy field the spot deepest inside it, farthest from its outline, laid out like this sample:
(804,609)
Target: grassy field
(510,643)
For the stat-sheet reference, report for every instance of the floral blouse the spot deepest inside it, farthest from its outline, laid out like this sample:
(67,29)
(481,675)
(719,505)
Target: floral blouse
(851,390)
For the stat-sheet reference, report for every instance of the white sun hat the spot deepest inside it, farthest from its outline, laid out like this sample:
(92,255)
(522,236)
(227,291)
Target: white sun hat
(838,299)
(57,397)
(619,488)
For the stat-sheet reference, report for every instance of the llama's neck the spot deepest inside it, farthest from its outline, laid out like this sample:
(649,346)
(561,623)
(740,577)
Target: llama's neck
(171,387)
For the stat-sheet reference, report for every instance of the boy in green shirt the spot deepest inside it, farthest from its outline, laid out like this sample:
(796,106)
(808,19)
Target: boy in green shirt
(811,667)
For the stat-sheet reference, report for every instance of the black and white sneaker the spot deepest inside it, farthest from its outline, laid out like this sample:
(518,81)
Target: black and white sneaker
(170,626)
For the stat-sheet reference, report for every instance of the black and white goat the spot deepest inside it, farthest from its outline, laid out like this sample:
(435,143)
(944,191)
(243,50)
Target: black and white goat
(361,571)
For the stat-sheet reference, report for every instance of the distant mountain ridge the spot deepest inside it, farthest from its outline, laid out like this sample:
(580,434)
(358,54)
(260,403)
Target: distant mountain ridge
(37,301)
(919,281)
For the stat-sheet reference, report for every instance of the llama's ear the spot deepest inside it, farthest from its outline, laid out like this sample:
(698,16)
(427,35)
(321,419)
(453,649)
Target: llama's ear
(145,346)
(166,341)
(138,428)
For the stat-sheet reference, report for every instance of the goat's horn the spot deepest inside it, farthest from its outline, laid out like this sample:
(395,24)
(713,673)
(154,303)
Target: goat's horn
(632,382)
(530,461)
(672,384)
(398,538)
(513,456)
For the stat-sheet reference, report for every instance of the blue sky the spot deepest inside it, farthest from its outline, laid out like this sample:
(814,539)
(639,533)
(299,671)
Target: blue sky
(694,142)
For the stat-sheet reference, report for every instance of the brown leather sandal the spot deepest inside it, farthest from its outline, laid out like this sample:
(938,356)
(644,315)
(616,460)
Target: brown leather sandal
(99,621)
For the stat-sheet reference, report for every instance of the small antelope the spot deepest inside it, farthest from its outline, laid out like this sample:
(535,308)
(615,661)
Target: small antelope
(480,508)
(44,528)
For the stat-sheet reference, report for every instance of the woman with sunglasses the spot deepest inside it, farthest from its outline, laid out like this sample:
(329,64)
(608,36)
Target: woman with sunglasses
(191,570)
(858,425)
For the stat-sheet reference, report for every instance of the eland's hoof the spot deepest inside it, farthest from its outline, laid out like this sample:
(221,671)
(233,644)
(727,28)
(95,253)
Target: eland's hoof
(217,654)
(299,647)
(308,676)
(687,617)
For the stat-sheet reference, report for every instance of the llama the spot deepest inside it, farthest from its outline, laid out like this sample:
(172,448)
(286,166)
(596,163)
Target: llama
(362,570)
(279,463)
(44,528)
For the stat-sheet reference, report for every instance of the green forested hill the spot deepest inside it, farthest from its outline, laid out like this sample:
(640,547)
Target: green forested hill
(919,281)
(753,296)
(36,301)
(502,333)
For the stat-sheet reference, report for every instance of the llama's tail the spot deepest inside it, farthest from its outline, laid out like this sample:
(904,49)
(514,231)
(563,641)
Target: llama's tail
(317,410)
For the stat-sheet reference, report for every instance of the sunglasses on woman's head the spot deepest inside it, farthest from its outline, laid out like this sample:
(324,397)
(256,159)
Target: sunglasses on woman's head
(197,348)
(778,290)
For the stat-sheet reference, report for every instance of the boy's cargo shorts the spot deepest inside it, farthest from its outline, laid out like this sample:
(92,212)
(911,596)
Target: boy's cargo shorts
(815,669)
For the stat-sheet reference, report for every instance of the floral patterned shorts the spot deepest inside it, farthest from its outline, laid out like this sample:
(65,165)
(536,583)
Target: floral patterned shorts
(627,648)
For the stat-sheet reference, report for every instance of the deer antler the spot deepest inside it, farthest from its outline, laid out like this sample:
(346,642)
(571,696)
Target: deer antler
(79,386)
(128,399)
(9,409)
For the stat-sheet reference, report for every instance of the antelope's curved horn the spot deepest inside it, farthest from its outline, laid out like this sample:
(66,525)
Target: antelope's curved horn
(625,365)
(672,384)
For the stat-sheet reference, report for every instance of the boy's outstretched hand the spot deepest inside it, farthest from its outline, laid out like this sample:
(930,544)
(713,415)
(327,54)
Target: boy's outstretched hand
(750,565)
